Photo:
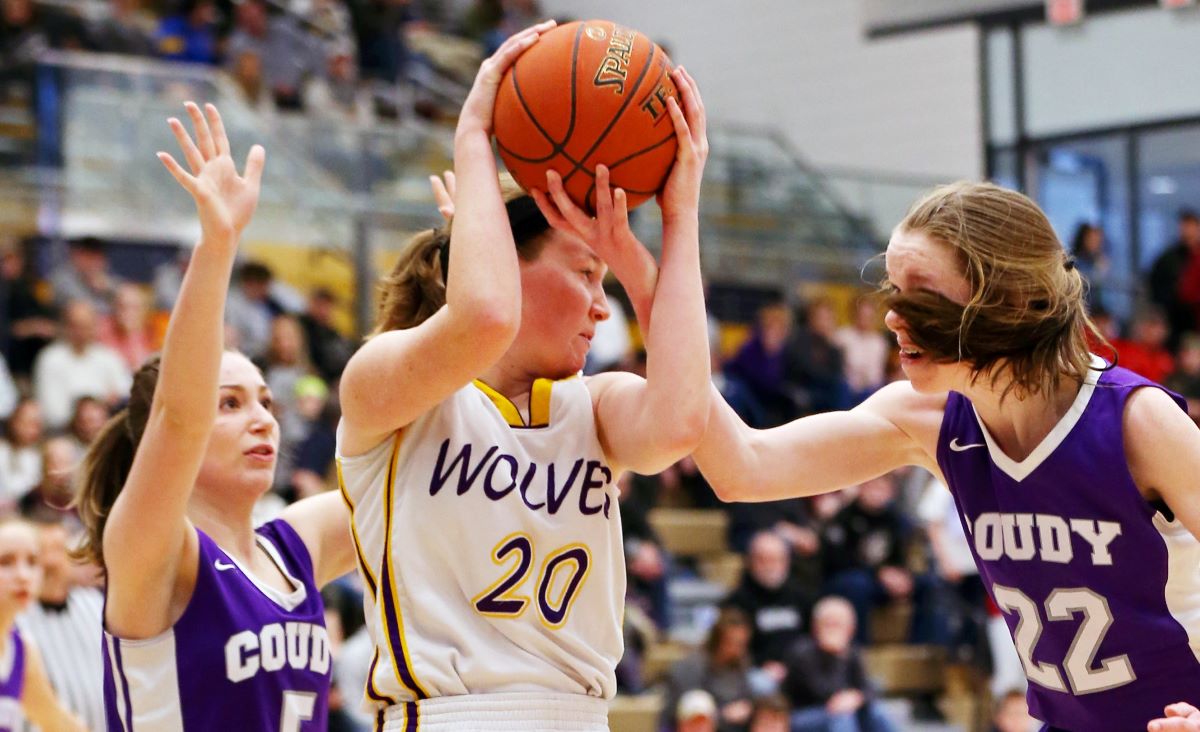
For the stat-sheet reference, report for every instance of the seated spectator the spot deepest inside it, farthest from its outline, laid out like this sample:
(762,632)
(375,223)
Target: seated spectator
(696,712)
(864,350)
(1185,380)
(77,365)
(28,28)
(813,361)
(63,624)
(1012,714)
(314,453)
(328,349)
(721,668)
(759,364)
(87,419)
(125,29)
(776,604)
(50,500)
(1145,352)
(189,33)
(645,559)
(336,94)
(86,276)
(251,308)
(20,454)
(379,26)
(771,714)
(288,54)
(826,682)
(964,615)
(246,68)
(127,330)
(864,549)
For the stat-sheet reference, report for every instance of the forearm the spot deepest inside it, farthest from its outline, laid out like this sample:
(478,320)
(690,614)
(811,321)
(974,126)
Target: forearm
(485,278)
(191,355)
(639,278)
(725,456)
(677,353)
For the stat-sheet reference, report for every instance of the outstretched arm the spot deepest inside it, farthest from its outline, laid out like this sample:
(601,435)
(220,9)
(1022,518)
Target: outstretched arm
(147,541)
(323,523)
(399,375)
(894,427)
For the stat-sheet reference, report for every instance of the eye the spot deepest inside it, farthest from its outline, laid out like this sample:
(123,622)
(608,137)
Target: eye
(267,403)
(587,273)
(229,402)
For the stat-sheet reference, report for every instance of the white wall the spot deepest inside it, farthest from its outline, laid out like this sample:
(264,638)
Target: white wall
(908,104)
(1112,69)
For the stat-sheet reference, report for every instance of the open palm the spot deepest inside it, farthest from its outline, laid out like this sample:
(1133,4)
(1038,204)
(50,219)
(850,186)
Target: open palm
(224,199)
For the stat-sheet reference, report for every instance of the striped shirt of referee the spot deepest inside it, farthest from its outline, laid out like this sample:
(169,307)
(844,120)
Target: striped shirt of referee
(68,636)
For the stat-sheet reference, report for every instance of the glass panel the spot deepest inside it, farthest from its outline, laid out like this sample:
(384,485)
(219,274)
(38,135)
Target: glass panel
(1086,182)
(1168,182)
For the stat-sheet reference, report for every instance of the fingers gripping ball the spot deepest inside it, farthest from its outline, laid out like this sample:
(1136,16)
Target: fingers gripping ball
(588,93)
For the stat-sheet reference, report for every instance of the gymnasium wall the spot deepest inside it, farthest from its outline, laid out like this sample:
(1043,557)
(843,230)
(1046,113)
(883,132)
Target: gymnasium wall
(906,104)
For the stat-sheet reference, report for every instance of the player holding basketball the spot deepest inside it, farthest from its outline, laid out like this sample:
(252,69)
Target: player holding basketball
(209,624)
(482,471)
(1075,481)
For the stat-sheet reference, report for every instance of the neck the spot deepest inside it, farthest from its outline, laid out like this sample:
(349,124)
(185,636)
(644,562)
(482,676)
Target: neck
(509,380)
(1019,424)
(227,521)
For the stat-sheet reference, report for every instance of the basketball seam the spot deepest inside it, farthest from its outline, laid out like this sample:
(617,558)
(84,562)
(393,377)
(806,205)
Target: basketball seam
(613,121)
(556,147)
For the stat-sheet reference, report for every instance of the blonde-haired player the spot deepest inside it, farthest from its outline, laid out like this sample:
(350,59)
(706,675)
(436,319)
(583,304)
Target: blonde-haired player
(481,471)
(25,690)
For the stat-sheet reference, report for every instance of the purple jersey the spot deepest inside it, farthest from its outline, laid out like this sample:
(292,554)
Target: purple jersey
(1100,591)
(243,656)
(12,682)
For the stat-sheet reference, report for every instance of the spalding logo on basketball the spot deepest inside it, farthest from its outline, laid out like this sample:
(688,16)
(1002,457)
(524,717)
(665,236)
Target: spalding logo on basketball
(588,93)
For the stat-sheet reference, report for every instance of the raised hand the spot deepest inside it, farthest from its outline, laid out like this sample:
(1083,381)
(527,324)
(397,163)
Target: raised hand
(481,100)
(443,193)
(608,233)
(225,200)
(681,193)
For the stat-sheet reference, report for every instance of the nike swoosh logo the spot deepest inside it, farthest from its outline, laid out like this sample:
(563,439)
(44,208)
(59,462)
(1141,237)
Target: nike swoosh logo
(959,448)
(222,567)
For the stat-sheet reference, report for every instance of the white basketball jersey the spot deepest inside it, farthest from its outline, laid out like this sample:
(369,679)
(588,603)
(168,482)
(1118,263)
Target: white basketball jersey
(491,549)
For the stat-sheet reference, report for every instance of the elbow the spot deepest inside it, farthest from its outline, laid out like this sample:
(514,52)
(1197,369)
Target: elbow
(728,491)
(492,321)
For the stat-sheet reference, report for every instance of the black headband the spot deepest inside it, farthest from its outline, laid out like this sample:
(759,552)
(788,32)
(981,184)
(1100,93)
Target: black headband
(525,219)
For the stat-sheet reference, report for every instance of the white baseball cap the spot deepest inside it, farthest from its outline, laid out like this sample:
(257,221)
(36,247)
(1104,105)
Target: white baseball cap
(696,703)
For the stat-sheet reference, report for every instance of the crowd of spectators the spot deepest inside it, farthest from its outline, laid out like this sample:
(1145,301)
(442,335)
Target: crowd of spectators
(349,60)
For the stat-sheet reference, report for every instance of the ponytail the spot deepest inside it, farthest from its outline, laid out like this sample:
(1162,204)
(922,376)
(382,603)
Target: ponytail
(108,460)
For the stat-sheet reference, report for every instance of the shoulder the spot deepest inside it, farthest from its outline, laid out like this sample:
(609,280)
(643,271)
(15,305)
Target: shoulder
(917,415)
(1155,431)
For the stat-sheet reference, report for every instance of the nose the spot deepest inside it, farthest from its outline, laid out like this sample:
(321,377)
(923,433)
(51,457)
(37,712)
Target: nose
(893,321)
(263,420)
(600,309)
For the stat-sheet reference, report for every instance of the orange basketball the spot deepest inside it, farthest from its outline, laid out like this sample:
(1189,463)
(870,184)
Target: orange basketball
(588,93)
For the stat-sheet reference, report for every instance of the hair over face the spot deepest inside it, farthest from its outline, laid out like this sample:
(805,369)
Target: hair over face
(1026,318)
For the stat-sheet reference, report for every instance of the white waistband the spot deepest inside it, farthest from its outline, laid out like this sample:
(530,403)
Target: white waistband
(525,711)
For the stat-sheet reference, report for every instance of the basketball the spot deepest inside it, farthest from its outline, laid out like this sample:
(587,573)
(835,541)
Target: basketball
(588,93)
